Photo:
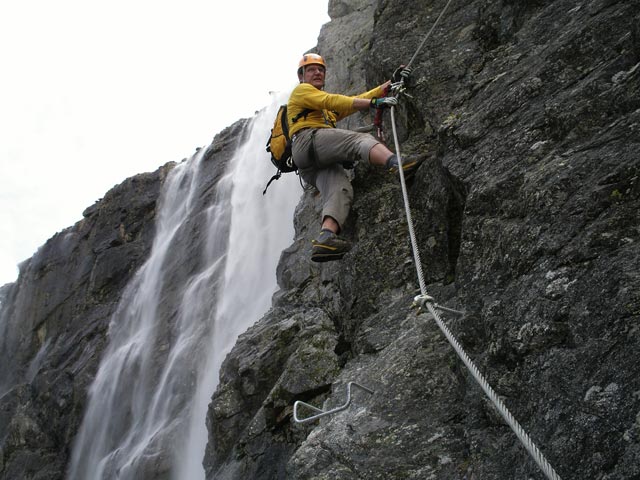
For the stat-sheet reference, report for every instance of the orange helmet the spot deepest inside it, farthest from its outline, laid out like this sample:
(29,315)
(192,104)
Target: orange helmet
(310,59)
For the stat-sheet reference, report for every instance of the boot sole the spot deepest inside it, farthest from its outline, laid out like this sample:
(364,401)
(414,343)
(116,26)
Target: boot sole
(326,257)
(326,253)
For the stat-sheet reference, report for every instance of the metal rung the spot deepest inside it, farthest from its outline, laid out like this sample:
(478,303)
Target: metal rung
(322,413)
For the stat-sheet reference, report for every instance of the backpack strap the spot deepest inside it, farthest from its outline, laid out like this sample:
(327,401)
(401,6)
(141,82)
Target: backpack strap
(275,177)
(303,113)
(327,121)
(307,111)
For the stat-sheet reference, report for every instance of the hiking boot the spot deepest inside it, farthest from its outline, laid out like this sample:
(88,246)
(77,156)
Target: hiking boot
(410,165)
(328,246)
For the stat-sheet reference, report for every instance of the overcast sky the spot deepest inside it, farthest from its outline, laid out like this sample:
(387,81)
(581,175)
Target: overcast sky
(93,92)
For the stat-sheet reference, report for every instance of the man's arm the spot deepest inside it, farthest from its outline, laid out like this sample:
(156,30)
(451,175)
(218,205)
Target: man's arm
(362,103)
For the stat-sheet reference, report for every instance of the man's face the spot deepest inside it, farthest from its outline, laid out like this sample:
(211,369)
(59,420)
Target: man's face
(314,74)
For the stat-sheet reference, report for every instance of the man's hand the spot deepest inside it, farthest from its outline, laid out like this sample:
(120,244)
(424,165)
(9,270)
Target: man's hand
(402,74)
(384,102)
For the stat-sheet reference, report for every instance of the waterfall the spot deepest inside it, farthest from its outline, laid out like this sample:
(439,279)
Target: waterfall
(210,275)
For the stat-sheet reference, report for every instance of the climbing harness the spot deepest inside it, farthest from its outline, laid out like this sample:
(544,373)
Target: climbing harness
(321,413)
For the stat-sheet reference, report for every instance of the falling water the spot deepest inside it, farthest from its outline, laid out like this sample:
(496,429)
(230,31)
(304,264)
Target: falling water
(181,314)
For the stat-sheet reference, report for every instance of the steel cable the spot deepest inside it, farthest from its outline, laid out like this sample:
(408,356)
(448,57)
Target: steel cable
(428,302)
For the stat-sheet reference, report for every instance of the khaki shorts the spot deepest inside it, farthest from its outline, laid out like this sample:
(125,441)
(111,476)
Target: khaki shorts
(319,155)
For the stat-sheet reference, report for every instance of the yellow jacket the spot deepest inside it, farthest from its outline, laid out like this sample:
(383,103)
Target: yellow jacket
(327,108)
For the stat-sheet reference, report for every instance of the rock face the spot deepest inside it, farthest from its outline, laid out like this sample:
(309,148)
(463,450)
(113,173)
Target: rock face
(526,216)
(54,320)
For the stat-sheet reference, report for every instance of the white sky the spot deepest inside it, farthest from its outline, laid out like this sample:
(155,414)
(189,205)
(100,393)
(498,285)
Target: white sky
(93,92)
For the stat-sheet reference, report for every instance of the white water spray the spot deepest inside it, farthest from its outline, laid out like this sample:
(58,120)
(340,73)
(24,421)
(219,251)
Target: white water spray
(174,326)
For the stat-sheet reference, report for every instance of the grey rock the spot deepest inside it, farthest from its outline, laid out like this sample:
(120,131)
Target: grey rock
(54,319)
(526,216)
(526,219)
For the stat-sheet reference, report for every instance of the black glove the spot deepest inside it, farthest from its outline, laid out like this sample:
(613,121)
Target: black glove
(384,102)
(402,74)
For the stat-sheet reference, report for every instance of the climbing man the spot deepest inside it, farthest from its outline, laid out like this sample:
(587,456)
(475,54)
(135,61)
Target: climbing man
(322,152)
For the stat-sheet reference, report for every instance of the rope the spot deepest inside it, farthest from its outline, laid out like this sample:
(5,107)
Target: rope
(428,302)
(405,196)
(539,458)
(424,40)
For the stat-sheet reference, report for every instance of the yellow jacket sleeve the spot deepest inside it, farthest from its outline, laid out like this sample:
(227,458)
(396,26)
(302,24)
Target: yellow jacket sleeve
(326,108)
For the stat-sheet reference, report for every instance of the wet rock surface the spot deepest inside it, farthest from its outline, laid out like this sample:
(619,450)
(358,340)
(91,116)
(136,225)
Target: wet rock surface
(526,216)
(54,320)
(526,219)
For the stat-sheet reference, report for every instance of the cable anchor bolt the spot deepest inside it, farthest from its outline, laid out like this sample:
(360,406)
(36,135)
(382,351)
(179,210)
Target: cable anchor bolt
(420,301)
